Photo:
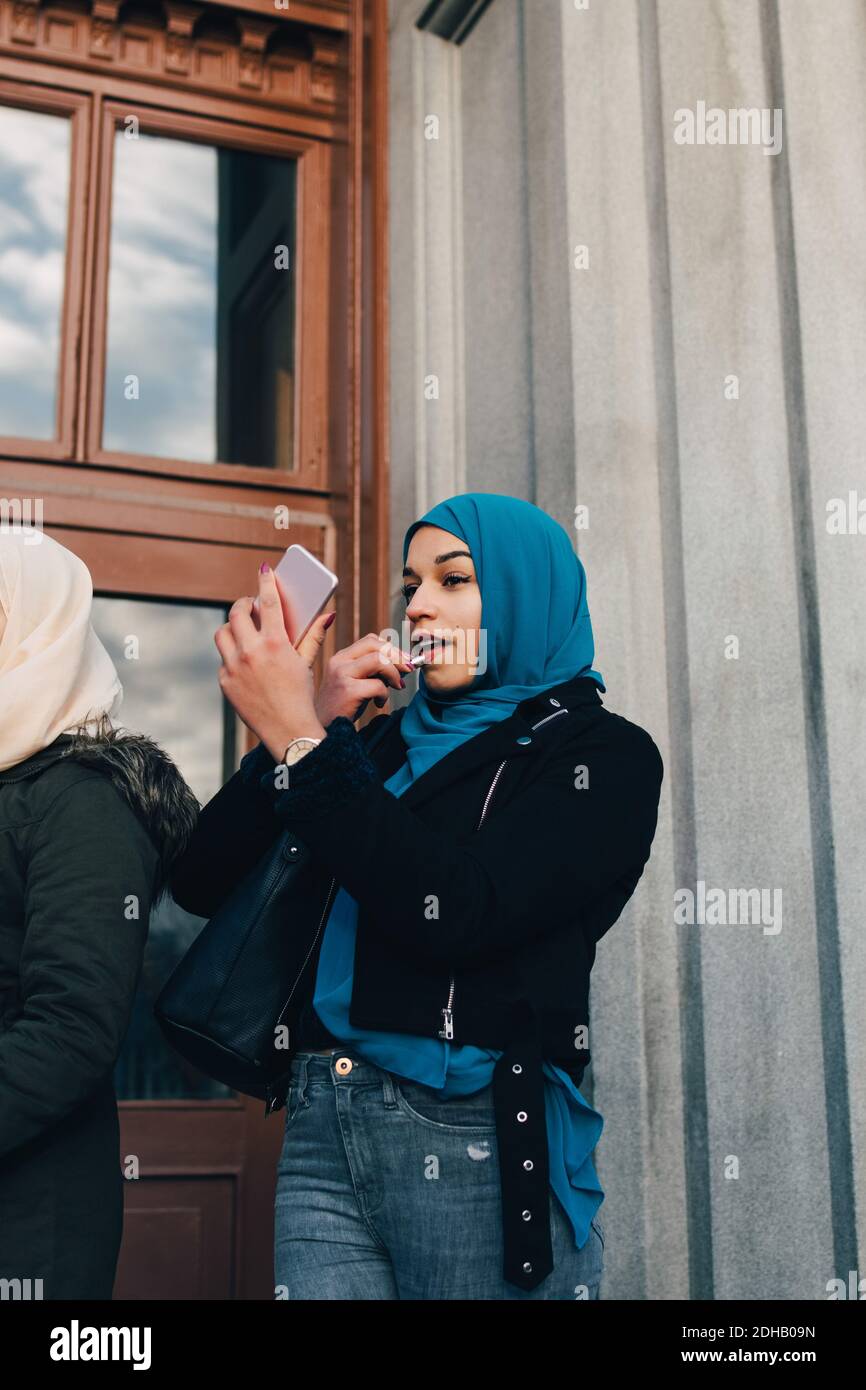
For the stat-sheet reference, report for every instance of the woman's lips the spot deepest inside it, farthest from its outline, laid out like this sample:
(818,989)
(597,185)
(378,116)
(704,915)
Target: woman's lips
(428,650)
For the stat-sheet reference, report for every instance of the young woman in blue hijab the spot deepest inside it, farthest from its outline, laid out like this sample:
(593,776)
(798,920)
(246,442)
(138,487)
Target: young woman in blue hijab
(496,600)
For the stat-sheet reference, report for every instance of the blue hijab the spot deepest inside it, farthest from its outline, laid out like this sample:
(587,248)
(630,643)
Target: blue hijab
(533,605)
(533,611)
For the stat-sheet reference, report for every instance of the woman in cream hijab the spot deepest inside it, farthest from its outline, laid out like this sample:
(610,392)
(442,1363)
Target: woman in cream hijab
(54,672)
(91,818)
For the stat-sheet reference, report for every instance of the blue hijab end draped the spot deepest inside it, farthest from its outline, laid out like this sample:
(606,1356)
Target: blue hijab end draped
(534,611)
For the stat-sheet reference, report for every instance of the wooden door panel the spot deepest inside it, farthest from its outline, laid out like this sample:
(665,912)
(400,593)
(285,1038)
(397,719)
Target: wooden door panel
(178,1239)
(202,1201)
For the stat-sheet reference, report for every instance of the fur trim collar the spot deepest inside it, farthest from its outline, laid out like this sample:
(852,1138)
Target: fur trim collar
(150,783)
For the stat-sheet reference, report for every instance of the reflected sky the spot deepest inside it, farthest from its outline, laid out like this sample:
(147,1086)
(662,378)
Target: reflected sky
(198,309)
(34,191)
(170,688)
(200,312)
(162,303)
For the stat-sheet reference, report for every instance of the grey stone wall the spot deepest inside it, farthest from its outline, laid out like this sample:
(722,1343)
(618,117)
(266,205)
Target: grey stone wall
(694,377)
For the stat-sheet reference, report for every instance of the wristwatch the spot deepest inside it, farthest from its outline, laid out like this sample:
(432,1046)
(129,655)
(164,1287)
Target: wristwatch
(299,748)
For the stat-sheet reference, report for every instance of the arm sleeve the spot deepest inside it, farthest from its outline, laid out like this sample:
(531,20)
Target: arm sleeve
(233,831)
(237,828)
(531,868)
(90,875)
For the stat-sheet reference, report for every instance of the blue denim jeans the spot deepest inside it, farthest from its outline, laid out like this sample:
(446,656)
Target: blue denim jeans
(386,1190)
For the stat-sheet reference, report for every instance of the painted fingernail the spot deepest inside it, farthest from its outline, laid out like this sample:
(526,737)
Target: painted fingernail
(402,683)
(265,569)
(327,623)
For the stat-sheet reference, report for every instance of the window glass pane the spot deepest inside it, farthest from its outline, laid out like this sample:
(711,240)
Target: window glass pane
(34,199)
(167,662)
(200,349)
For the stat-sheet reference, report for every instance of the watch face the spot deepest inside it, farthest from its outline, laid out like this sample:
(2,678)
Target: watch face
(298,751)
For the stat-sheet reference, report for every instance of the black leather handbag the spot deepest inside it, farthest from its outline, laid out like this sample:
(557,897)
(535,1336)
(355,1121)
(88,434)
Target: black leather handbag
(226,997)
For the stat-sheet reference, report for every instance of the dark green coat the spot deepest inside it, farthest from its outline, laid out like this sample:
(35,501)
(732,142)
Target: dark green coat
(88,829)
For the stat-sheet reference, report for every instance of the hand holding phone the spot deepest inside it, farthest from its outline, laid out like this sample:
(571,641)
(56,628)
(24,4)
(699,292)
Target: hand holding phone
(305,586)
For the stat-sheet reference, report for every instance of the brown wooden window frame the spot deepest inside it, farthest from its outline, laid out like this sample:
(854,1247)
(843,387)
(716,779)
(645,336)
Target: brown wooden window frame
(78,107)
(312,242)
(83,331)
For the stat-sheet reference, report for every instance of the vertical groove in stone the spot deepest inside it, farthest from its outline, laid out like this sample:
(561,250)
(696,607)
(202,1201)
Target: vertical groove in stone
(828,946)
(531,461)
(460,483)
(681,772)
(419,191)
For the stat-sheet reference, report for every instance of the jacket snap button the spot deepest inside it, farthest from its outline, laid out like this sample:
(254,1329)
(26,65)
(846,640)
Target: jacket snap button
(528,1164)
(527,1267)
(517,1068)
(521,1115)
(524,739)
(344,1065)
(293,849)
(527,1216)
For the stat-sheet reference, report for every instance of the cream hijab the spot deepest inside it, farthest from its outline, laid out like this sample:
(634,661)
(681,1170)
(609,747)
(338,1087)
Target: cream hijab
(55,674)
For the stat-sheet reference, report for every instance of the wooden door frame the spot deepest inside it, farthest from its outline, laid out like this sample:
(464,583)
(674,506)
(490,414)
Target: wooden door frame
(152,533)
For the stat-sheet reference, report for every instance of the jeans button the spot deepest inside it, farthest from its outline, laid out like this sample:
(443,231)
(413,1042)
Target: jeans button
(343,1065)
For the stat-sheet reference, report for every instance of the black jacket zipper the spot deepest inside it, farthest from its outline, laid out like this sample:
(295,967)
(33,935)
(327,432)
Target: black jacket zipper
(447,1029)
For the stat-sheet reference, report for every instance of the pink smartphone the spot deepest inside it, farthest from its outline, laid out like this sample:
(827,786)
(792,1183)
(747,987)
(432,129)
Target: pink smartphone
(307,585)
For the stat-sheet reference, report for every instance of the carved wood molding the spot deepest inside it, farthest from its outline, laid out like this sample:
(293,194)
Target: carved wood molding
(23,27)
(103,28)
(208,46)
(254,34)
(325,74)
(180,23)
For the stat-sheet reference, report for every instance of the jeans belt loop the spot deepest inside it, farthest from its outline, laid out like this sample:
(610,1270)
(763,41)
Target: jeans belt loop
(389,1094)
(302,1080)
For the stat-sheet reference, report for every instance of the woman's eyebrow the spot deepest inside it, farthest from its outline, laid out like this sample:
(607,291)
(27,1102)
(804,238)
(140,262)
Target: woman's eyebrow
(440,560)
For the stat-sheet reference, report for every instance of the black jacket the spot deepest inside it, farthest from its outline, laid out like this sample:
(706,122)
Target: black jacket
(88,831)
(484,887)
